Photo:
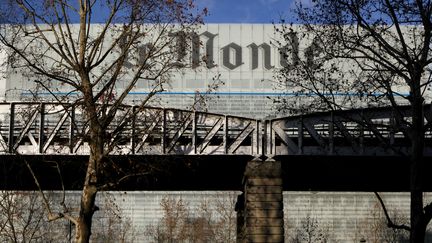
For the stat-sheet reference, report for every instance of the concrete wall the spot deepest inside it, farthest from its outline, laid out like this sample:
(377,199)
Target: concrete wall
(338,216)
(133,213)
(344,216)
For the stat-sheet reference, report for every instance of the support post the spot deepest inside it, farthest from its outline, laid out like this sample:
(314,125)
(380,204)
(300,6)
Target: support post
(260,207)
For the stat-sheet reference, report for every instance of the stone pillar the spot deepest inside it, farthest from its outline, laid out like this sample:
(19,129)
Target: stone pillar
(260,207)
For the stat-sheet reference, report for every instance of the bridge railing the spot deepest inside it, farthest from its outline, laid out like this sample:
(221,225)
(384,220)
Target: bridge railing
(373,131)
(55,128)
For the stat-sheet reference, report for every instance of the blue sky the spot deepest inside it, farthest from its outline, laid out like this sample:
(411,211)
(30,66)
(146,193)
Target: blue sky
(244,11)
(248,11)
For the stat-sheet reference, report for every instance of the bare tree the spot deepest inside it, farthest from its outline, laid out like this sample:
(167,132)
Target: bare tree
(113,225)
(309,231)
(225,219)
(173,226)
(217,219)
(22,218)
(374,228)
(213,220)
(96,66)
(367,53)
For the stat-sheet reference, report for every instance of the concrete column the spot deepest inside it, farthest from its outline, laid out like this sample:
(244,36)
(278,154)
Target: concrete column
(260,207)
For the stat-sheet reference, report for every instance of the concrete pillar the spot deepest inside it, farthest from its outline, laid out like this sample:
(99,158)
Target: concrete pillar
(260,207)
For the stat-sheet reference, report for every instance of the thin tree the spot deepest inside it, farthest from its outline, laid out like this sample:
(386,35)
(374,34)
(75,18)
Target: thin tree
(57,44)
(21,217)
(213,220)
(361,54)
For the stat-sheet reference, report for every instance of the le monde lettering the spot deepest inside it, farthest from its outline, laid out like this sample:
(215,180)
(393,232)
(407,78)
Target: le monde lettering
(232,53)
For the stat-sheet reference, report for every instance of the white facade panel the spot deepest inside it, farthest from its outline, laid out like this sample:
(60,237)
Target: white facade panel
(243,56)
(3,72)
(240,61)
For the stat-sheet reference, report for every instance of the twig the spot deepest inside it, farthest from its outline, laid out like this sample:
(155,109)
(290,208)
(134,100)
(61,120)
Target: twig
(119,181)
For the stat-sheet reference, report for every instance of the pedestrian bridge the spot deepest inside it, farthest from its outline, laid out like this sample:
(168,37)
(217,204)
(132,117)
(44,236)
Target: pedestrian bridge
(60,128)
(44,130)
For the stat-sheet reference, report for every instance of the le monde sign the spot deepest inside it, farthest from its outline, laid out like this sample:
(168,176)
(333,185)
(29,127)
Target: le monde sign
(232,54)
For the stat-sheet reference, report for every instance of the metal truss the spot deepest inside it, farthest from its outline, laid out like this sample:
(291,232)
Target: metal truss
(372,131)
(54,128)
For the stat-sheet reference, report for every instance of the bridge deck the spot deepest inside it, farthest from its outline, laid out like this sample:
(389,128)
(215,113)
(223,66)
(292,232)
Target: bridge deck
(209,172)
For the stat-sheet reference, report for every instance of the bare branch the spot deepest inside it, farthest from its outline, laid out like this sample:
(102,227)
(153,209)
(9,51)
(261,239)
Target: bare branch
(118,182)
(427,213)
(51,216)
(390,223)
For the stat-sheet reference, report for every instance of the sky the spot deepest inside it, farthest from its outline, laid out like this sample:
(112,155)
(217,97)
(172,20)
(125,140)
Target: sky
(248,11)
(244,11)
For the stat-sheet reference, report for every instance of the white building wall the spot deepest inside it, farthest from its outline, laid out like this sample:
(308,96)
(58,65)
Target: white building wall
(242,90)
(3,72)
(345,216)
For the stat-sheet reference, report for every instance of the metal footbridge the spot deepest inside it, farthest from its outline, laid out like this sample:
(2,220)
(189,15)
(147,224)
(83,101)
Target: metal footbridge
(58,128)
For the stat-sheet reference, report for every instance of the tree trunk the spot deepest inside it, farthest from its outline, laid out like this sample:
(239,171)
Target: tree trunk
(96,142)
(88,195)
(418,224)
(87,206)
(87,209)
